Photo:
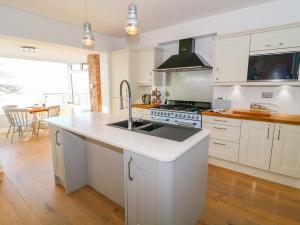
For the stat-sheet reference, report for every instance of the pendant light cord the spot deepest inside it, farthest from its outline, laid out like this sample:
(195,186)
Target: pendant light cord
(86,17)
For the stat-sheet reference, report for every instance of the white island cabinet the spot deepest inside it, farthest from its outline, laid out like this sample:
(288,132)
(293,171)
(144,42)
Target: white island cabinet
(157,181)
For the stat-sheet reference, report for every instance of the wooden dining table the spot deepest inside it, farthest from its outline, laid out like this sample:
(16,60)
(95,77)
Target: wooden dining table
(35,119)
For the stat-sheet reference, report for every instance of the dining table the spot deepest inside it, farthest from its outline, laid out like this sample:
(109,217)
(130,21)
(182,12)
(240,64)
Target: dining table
(35,111)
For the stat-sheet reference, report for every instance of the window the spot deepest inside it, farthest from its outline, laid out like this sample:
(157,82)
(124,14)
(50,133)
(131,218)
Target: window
(27,82)
(80,87)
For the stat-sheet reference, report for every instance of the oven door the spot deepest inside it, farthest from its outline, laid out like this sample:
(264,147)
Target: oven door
(274,67)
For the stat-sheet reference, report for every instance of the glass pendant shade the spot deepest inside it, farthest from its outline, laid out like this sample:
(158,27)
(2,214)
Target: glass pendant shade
(88,38)
(132,24)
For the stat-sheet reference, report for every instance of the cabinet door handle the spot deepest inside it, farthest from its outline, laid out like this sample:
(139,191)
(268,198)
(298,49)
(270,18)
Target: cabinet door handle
(268,135)
(217,143)
(268,45)
(56,140)
(220,128)
(278,134)
(129,170)
(281,43)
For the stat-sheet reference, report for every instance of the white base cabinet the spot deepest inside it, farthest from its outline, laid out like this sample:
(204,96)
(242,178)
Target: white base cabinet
(57,154)
(166,193)
(286,150)
(141,113)
(256,144)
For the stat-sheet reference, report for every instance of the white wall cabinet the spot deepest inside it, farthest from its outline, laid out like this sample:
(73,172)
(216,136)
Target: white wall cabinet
(57,155)
(286,150)
(231,59)
(256,144)
(146,61)
(278,39)
(141,181)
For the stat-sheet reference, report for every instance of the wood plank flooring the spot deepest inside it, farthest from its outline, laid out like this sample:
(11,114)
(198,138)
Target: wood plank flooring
(28,195)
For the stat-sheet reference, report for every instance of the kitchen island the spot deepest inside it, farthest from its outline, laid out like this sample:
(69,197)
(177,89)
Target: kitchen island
(157,181)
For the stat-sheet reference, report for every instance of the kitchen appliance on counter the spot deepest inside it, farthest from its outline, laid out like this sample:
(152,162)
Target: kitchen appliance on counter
(183,113)
(146,98)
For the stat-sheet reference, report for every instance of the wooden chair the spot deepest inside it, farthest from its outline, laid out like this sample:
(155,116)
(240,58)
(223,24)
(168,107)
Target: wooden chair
(4,108)
(20,119)
(52,111)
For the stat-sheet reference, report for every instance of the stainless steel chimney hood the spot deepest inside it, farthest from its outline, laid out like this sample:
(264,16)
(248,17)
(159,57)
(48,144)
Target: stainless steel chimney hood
(186,60)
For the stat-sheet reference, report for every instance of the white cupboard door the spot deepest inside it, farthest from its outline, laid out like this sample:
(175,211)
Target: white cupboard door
(119,69)
(223,150)
(286,150)
(256,144)
(57,154)
(141,179)
(278,39)
(145,66)
(231,59)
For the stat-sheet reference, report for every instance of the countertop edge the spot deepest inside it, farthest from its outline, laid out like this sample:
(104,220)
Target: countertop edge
(274,118)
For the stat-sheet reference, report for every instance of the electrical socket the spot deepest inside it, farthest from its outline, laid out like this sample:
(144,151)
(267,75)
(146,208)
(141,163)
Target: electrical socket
(267,94)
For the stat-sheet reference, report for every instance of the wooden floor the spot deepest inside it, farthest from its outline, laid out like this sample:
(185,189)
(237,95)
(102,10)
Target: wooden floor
(28,195)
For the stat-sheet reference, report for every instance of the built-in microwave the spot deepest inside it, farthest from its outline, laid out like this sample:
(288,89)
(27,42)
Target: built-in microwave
(274,67)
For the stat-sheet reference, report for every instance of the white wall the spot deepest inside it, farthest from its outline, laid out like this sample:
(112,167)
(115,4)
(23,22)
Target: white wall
(286,97)
(22,24)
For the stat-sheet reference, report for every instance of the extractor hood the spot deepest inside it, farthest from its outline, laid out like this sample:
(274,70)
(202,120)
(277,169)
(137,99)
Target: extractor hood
(186,60)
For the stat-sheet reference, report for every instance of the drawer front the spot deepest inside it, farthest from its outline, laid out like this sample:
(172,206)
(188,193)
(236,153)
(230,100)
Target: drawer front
(279,39)
(221,121)
(223,132)
(223,150)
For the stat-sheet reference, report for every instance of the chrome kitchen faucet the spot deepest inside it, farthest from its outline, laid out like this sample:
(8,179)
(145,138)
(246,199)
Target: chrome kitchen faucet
(129,102)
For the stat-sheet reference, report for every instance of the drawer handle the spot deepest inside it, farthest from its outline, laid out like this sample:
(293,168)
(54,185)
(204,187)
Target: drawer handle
(217,143)
(281,43)
(268,45)
(220,128)
(225,121)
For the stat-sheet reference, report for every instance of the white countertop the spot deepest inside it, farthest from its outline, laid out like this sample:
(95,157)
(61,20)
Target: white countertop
(94,125)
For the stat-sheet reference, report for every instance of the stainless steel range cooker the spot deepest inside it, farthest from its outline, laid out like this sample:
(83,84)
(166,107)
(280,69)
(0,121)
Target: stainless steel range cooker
(184,113)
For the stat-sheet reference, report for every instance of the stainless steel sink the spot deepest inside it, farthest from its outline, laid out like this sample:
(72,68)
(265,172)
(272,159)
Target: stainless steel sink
(124,124)
(162,130)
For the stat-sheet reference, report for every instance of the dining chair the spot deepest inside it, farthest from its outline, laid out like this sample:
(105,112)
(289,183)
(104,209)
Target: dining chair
(52,111)
(4,108)
(20,119)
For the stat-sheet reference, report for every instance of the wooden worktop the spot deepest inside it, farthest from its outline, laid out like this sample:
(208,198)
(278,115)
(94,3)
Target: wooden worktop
(274,118)
(143,106)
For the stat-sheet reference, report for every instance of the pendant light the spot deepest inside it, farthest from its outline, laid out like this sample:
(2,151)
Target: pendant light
(88,37)
(132,24)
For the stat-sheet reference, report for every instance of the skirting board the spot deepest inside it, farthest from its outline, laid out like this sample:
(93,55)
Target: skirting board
(277,178)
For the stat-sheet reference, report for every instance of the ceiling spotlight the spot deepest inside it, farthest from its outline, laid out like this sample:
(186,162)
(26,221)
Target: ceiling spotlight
(88,38)
(132,24)
(28,49)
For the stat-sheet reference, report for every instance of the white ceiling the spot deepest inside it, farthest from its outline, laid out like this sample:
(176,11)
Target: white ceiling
(10,47)
(108,16)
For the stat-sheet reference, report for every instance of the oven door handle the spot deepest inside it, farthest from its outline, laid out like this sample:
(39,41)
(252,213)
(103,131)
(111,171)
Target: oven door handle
(186,124)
